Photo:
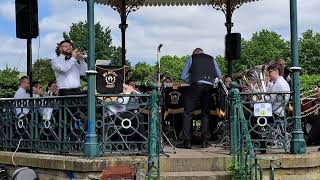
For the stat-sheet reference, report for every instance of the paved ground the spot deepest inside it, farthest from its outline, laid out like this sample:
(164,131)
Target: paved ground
(220,151)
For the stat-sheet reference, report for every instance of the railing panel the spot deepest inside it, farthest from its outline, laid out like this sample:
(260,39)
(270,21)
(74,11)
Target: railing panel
(269,128)
(123,123)
(58,124)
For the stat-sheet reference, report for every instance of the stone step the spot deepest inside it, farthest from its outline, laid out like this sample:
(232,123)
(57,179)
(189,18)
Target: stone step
(194,164)
(196,175)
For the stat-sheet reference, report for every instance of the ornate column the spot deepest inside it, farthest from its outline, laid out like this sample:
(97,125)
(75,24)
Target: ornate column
(124,7)
(227,7)
(298,144)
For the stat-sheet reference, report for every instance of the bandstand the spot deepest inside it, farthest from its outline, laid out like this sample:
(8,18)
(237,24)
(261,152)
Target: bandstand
(103,137)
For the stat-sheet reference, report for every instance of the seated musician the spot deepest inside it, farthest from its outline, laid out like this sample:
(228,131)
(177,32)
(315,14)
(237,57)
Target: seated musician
(22,93)
(200,72)
(277,84)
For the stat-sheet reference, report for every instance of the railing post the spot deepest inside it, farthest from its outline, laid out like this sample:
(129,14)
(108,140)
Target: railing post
(154,139)
(233,122)
(298,145)
(90,144)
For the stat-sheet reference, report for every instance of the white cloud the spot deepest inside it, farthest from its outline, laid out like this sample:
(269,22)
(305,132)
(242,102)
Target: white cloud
(7,10)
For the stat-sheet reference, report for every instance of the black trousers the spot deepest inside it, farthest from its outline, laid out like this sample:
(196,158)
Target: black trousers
(197,96)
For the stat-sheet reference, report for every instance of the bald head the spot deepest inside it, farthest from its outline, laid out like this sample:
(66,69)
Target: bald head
(197,51)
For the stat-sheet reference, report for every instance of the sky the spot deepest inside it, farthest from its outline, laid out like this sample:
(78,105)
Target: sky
(179,29)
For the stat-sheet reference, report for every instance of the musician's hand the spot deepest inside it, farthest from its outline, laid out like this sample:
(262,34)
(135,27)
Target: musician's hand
(129,89)
(75,54)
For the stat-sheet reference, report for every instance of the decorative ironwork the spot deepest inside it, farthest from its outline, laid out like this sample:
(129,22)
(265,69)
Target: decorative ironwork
(221,5)
(123,123)
(130,6)
(245,162)
(58,125)
(271,131)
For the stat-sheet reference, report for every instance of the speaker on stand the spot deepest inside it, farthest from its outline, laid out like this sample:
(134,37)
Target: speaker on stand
(27,27)
(232,49)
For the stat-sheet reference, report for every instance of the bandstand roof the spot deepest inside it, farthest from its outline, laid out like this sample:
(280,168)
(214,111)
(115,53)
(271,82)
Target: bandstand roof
(177,2)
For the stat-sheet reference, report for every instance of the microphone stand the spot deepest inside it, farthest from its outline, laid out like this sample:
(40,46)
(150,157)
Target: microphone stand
(160,109)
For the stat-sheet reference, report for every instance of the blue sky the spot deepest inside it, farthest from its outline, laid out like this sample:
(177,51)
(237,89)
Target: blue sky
(180,29)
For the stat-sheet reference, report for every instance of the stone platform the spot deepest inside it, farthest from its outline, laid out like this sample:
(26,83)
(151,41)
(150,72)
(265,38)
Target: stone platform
(198,164)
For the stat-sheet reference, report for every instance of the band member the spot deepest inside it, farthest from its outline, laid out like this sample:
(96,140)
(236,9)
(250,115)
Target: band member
(37,89)
(200,71)
(22,93)
(52,88)
(68,67)
(278,84)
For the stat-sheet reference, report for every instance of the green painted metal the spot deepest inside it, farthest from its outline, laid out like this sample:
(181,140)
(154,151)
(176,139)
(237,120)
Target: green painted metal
(298,145)
(65,132)
(90,145)
(154,139)
(233,122)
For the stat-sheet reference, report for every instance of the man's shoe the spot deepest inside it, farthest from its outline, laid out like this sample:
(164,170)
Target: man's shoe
(184,144)
(205,144)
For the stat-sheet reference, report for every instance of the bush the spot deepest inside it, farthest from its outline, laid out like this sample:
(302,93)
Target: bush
(309,82)
(9,82)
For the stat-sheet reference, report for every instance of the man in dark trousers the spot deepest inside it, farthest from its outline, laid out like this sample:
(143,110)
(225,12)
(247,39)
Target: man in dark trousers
(200,71)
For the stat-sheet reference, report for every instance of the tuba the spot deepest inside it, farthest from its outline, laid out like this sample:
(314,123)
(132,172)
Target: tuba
(255,78)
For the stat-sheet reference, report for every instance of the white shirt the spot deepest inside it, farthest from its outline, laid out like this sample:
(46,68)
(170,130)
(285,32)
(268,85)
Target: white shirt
(21,94)
(279,85)
(68,72)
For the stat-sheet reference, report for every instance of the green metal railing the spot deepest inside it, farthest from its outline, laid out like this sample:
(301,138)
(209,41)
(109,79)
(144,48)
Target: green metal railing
(250,134)
(121,127)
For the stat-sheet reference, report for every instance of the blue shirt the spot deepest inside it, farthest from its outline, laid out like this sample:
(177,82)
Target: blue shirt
(185,75)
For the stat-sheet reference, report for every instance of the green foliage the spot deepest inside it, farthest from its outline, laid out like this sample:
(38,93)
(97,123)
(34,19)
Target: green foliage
(42,71)
(104,49)
(309,82)
(309,47)
(9,82)
(222,63)
(172,65)
(142,70)
(260,49)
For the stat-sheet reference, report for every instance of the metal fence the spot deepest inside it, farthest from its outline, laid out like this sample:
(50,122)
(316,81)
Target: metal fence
(58,125)
(258,122)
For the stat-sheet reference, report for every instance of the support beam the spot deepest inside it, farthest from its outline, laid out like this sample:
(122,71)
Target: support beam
(123,26)
(229,24)
(297,145)
(29,63)
(90,144)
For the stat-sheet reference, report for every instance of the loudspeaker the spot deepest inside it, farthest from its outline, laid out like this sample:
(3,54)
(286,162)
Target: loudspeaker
(27,19)
(233,46)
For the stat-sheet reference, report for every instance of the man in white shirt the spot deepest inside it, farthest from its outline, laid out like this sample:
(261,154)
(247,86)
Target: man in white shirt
(22,93)
(68,67)
(278,84)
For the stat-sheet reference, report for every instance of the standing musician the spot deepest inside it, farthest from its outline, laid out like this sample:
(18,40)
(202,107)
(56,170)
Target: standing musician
(200,71)
(68,67)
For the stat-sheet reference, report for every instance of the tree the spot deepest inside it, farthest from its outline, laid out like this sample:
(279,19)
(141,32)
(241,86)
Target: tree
(222,63)
(309,52)
(104,49)
(260,49)
(9,82)
(42,71)
(172,65)
(142,70)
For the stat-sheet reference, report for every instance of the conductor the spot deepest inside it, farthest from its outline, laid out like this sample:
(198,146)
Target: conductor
(200,71)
